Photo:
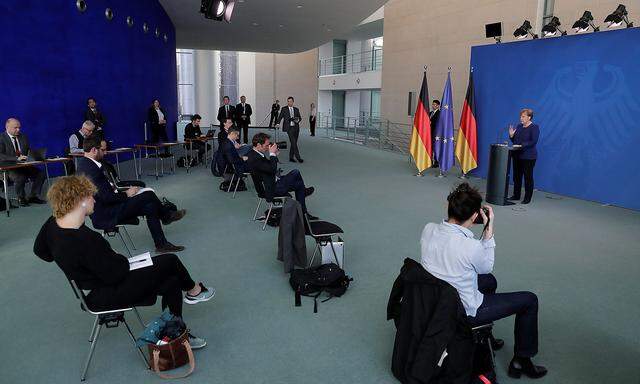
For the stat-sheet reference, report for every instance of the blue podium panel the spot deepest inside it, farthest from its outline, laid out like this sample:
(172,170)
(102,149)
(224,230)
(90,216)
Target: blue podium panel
(584,90)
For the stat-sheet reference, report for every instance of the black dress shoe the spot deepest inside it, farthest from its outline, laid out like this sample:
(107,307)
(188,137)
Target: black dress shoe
(526,201)
(292,160)
(300,160)
(23,202)
(309,191)
(524,365)
(36,200)
(168,248)
(514,197)
(496,344)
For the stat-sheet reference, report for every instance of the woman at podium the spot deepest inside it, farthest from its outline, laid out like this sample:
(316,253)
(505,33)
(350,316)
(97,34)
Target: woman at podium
(525,136)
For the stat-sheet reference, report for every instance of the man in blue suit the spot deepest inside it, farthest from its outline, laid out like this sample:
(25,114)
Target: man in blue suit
(230,153)
(114,206)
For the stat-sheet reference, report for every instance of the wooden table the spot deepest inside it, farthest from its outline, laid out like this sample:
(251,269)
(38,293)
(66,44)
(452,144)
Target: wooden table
(6,167)
(201,139)
(156,148)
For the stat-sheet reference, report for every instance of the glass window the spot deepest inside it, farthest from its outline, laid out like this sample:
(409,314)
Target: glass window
(186,79)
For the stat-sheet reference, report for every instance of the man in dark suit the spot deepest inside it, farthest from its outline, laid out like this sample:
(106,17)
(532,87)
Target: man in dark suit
(275,110)
(14,147)
(226,111)
(434,115)
(263,165)
(290,118)
(230,153)
(243,118)
(114,206)
(192,131)
(95,116)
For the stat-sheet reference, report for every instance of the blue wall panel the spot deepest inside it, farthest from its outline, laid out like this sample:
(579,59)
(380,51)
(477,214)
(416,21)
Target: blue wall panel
(53,57)
(584,92)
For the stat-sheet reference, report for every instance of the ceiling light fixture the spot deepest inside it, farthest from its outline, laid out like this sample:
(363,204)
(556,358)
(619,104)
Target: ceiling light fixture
(583,24)
(553,28)
(617,17)
(217,9)
(524,31)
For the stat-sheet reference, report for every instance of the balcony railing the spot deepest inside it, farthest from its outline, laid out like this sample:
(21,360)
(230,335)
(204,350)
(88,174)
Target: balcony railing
(352,63)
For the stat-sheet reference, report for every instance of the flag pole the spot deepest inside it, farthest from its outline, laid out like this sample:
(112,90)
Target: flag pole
(440,173)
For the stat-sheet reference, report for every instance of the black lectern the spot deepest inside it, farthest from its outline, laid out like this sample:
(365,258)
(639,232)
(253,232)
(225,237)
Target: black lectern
(498,178)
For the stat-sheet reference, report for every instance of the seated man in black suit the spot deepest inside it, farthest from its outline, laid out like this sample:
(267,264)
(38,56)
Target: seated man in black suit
(192,131)
(242,149)
(112,174)
(230,153)
(14,147)
(113,207)
(263,164)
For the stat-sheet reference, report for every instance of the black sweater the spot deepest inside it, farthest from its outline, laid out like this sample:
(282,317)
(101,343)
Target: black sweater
(82,254)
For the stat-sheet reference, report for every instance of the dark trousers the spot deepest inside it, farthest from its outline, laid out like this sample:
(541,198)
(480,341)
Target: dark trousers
(523,167)
(293,134)
(167,277)
(200,147)
(273,119)
(497,306)
(312,125)
(148,205)
(159,135)
(20,177)
(243,126)
(292,182)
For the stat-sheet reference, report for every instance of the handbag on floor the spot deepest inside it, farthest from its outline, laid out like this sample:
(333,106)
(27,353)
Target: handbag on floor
(172,355)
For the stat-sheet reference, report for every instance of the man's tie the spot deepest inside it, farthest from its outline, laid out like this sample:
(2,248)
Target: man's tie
(226,108)
(15,144)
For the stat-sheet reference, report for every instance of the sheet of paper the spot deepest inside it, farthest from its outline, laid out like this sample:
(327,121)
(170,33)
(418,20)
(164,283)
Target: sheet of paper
(140,261)
(142,190)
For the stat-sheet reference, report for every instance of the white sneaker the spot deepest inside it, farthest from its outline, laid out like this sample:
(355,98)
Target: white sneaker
(196,342)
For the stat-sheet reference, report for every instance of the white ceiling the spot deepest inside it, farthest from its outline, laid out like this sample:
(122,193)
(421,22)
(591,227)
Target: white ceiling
(282,26)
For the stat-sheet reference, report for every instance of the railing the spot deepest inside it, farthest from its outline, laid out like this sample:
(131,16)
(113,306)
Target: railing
(367,131)
(352,63)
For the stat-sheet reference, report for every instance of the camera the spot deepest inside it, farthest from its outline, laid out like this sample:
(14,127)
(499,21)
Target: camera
(282,144)
(478,219)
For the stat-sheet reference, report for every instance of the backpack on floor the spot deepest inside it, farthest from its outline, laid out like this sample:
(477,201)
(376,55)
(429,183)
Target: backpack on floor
(182,162)
(313,281)
(224,186)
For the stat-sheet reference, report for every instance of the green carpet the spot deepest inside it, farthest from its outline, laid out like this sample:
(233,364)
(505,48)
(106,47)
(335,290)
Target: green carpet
(581,258)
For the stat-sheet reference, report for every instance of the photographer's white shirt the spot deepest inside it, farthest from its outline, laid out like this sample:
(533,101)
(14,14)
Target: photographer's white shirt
(451,253)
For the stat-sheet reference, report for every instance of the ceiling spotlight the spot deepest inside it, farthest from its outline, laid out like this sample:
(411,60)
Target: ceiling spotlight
(617,17)
(524,30)
(217,9)
(583,24)
(552,28)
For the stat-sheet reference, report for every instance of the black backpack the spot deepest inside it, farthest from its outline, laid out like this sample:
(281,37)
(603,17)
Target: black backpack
(329,278)
(274,217)
(224,186)
(182,162)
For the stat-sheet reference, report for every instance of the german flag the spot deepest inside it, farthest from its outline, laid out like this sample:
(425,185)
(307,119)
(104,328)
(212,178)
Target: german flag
(467,138)
(420,147)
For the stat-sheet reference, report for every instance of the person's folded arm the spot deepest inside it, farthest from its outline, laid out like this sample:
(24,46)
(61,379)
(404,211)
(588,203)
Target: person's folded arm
(107,265)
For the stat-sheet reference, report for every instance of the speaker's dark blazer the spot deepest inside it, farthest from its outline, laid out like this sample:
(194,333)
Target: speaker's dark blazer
(286,119)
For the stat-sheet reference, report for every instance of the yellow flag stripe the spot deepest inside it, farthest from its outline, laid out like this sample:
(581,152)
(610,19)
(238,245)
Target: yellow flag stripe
(419,152)
(463,153)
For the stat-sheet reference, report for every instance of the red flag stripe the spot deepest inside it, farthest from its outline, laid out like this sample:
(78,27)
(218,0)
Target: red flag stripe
(469,128)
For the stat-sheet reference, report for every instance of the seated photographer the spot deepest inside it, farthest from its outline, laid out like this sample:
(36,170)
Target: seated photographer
(87,258)
(112,174)
(243,149)
(192,132)
(263,164)
(114,207)
(451,253)
(230,154)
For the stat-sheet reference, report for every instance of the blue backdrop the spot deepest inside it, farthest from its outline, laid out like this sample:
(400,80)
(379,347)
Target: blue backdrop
(52,57)
(584,93)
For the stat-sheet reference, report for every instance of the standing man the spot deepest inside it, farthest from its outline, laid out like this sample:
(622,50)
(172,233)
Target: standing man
(14,147)
(290,117)
(226,111)
(434,115)
(243,118)
(275,109)
(95,116)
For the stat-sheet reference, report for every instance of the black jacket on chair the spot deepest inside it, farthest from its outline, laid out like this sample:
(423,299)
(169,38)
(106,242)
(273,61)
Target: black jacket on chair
(429,319)
(230,156)
(109,203)
(265,169)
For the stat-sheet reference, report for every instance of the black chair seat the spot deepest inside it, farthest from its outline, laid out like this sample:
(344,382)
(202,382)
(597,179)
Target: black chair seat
(131,221)
(321,228)
(150,301)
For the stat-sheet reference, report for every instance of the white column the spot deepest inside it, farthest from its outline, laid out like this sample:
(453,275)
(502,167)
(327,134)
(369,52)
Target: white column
(206,85)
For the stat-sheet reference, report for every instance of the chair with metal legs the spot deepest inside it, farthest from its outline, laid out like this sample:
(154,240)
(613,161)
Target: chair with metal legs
(111,319)
(261,195)
(483,334)
(322,232)
(119,229)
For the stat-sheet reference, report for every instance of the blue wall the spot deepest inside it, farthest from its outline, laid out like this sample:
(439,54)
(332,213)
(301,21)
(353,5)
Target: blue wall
(584,92)
(53,57)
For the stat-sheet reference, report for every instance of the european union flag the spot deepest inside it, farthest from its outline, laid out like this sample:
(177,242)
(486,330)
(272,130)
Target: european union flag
(444,147)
